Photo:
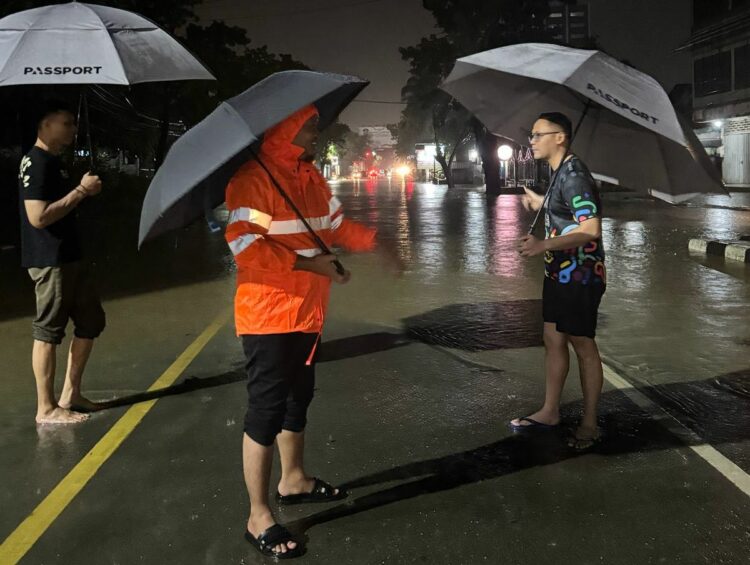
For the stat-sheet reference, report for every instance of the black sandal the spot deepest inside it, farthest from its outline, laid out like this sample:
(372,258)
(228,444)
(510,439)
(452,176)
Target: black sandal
(321,492)
(273,536)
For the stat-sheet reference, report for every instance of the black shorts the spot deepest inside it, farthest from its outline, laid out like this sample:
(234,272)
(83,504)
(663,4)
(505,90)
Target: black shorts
(572,307)
(280,383)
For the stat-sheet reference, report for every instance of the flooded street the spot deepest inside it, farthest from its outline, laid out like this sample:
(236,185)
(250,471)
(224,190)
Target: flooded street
(667,316)
(419,377)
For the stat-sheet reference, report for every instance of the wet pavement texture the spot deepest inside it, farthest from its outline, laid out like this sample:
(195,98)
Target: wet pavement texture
(418,377)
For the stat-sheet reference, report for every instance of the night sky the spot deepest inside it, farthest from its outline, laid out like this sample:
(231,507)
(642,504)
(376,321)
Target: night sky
(362,37)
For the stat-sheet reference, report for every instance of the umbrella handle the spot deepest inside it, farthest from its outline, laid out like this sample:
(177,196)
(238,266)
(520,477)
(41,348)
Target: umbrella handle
(339,267)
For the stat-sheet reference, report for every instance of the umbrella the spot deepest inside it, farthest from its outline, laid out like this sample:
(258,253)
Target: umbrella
(200,164)
(631,134)
(79,43)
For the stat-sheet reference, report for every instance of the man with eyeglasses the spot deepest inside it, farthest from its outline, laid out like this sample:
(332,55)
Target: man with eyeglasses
(575,277)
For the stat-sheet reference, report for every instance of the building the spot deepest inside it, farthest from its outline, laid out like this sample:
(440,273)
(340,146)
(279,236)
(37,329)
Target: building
(465,167)
(426,167)
(380,136)
(720,44)
(568,23)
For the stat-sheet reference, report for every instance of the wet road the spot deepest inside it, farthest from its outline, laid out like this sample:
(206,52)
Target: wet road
(420,374)
(667,317)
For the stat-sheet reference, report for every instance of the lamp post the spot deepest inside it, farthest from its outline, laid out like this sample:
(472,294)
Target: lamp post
(505,154)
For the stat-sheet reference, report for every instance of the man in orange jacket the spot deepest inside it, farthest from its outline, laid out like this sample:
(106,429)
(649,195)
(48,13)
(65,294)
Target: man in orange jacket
(283,283)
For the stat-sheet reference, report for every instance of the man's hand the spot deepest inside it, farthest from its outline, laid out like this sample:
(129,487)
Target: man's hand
(42,213)
(323,265)
(531,246)
(531,200)
(91,184)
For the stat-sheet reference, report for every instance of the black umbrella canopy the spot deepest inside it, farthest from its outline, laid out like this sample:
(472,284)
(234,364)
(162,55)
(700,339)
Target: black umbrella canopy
(201,163)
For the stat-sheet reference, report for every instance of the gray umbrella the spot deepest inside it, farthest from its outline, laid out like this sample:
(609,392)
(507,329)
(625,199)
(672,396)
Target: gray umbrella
(200,164)
(631,134)
(79,43)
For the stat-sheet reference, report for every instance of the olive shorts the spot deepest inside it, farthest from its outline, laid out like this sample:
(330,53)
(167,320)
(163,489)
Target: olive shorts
(66,293)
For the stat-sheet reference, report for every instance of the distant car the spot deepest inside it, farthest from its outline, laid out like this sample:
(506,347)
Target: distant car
(373,174)
(356,175)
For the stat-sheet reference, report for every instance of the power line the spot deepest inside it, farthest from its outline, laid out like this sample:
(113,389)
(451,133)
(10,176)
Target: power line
(130,107)
(114,104)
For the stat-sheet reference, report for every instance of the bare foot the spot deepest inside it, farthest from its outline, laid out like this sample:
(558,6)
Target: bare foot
(79,404)
(543,417)
(60,415)
(585,437)
(257,524)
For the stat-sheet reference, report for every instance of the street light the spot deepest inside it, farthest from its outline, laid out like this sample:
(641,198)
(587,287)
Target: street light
(505,152)
(718,124)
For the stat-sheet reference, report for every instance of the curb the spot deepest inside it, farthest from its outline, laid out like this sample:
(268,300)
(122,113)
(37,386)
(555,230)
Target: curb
(732,250)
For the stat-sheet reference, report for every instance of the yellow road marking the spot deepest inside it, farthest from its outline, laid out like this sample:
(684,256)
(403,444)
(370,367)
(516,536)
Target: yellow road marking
(18,543)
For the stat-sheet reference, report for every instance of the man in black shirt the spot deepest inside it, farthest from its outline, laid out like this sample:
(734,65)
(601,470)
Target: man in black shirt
(51,252)
(575,276)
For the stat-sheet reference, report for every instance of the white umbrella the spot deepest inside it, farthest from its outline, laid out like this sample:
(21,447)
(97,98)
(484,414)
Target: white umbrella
(631,134)
(79,43)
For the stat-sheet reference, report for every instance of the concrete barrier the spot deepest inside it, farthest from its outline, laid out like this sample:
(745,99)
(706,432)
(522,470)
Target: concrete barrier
(738,251)
(732,250)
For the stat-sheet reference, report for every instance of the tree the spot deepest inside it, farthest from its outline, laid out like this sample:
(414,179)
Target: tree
(430,113)
(170,15)
(467,26)
(228,53)
(354,149)
(143,118)
(332,141)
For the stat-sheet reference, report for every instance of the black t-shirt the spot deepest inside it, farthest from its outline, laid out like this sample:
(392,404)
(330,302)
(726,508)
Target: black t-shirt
(43,176)
(574,199)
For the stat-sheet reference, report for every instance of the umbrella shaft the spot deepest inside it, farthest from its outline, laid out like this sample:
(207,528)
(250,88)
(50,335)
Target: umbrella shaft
(83,108)
(554,178)
(339,267)
(547,194)
(88,131)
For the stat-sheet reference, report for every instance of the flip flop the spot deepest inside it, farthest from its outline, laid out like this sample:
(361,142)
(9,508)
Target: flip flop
(273,536)
(321,492)
(532,424)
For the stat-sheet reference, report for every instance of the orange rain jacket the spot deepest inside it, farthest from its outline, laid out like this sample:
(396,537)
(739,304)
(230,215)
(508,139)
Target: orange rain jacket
(266,236)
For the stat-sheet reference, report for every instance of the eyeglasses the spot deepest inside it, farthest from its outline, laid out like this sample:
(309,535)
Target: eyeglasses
(537,136)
